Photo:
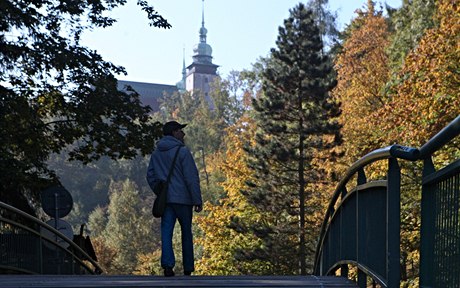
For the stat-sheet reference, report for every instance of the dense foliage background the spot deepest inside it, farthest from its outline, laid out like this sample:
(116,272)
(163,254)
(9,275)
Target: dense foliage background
(270,153)
(58,95)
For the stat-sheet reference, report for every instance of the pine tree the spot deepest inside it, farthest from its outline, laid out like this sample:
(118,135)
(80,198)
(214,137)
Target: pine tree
(294,115)
(326,21)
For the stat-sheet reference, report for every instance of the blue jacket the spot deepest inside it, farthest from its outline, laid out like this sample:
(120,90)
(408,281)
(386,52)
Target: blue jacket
(184,185)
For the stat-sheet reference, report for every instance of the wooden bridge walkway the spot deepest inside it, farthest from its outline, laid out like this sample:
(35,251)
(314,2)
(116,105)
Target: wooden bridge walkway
(97,281)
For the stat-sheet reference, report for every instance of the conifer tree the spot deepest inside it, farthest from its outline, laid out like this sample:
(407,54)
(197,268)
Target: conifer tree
(293,115)
(326,21)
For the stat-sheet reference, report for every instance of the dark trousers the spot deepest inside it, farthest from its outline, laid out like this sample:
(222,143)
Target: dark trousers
(184,214)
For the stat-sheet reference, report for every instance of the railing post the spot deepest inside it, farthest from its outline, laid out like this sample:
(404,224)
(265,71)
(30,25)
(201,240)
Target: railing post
(40,252)
(361,177)
(393,223)
(427,228)
(362,279)
(344,270)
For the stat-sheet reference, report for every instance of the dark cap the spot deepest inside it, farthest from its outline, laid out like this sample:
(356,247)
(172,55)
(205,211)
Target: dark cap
(172,126)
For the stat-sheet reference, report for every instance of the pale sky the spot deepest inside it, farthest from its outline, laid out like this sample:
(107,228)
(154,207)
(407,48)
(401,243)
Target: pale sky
(239,32)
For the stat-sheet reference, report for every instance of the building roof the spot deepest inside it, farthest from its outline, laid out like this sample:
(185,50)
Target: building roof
(149,93)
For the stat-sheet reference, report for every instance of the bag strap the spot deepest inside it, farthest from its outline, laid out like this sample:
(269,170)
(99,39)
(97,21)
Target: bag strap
(172,165)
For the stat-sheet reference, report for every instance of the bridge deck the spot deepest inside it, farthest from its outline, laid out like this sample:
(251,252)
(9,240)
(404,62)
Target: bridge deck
(54,281)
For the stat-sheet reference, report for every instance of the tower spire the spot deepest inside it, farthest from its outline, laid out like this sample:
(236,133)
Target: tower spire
(202,71)
(181,84)
(202,51)
(202,13)
(203,30)
(184,70)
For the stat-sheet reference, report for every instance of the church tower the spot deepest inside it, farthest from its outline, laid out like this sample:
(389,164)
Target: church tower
(202,71)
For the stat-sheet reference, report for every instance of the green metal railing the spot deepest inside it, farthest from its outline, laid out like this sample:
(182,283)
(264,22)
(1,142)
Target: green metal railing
(440,231)
(26,247)
(361,229)
(361,226)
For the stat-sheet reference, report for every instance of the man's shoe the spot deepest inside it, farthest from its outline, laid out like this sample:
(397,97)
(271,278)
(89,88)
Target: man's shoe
(169,272)
(187,273)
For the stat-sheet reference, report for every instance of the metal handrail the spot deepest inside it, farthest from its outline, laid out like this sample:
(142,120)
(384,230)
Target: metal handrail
(396,151)
(376,277)
(56,232)
(52,241)
(442,138)
(447,134)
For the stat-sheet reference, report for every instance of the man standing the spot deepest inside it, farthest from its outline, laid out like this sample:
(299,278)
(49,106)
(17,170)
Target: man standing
(183,195)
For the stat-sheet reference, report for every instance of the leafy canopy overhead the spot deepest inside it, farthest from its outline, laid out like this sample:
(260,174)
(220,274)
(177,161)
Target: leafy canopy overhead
(55,92)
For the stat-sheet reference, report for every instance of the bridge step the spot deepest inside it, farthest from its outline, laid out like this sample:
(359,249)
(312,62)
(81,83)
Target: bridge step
(99,281)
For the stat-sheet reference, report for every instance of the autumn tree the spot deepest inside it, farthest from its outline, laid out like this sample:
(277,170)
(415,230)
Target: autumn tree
(55,92)
(363,69)
(80,179)
(97,221)
(409,24)
(428,97)
(293,115)
(414,105)
(128,231)
(224,236)
(226,232)
(227,96)
(362,72)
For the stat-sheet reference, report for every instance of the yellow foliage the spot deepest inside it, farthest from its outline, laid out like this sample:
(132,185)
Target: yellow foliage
(105,255)
(149,264)
(219,242)
(428,97)
(362,71)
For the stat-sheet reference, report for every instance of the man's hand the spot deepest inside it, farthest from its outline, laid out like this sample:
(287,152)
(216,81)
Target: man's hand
(198,208)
